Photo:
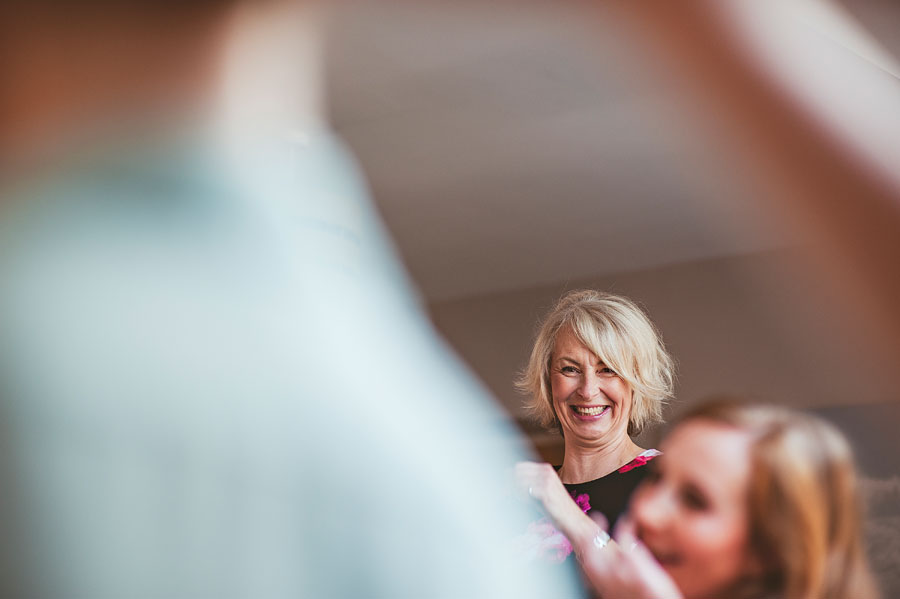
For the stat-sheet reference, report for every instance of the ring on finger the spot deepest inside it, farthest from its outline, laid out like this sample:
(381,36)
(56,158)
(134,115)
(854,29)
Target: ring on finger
(601,539)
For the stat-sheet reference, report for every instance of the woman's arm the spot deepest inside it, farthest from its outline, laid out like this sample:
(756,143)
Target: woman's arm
(620,567)
(624,567)
(542,484)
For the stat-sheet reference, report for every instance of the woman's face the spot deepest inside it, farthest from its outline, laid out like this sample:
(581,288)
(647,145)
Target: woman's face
(592,403)
(691,511)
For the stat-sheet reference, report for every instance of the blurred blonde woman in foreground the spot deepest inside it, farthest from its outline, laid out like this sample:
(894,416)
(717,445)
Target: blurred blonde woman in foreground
(746,501)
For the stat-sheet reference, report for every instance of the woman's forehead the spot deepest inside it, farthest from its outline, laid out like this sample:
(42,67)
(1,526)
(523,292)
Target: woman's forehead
(568,341)
(711,452)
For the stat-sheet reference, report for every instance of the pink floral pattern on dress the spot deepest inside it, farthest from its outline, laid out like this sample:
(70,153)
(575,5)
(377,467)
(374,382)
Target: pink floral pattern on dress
(584,502)
(640,460)
(543,541)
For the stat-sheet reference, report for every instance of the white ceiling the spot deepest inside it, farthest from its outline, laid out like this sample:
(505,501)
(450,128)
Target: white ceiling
(511,145)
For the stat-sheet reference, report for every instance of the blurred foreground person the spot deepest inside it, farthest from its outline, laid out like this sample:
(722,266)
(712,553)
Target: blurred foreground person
(746,502)
(215,380)
(598,373)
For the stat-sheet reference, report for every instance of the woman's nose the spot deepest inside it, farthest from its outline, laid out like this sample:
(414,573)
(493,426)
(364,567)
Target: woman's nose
(590,386)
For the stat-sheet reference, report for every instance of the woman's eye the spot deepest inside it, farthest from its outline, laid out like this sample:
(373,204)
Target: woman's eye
(608,370)
(694,500)
(568,370)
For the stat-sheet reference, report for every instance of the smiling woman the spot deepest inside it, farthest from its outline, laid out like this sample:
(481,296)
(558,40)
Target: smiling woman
(599,373)
(590,400)
(748,502)
(692,507)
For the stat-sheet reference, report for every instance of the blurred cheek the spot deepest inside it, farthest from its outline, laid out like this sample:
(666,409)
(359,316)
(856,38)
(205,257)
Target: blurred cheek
(641,510)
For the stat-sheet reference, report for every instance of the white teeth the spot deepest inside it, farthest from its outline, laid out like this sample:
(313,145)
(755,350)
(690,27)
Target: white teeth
(595,411)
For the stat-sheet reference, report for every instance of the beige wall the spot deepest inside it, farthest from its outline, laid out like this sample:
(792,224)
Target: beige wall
(756,326)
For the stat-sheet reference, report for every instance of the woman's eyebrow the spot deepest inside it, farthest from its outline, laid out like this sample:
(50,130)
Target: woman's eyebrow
(599,363)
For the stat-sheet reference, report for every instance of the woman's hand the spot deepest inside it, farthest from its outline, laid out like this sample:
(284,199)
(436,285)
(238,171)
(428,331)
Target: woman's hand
(626,568)
(541,483)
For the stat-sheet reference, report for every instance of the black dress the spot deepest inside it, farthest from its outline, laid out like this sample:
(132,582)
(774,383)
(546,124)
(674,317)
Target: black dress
(609,494)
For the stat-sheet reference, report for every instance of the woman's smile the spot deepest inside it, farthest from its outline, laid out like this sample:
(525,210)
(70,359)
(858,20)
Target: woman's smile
(590,413)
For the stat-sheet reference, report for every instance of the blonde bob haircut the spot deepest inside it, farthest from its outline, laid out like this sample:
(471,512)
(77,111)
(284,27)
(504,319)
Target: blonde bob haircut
(804,512)
(618,332)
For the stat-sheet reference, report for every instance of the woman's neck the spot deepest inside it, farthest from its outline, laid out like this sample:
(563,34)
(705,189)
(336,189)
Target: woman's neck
(582,463)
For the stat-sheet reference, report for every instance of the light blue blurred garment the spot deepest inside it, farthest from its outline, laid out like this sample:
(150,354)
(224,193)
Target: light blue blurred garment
(217,382)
